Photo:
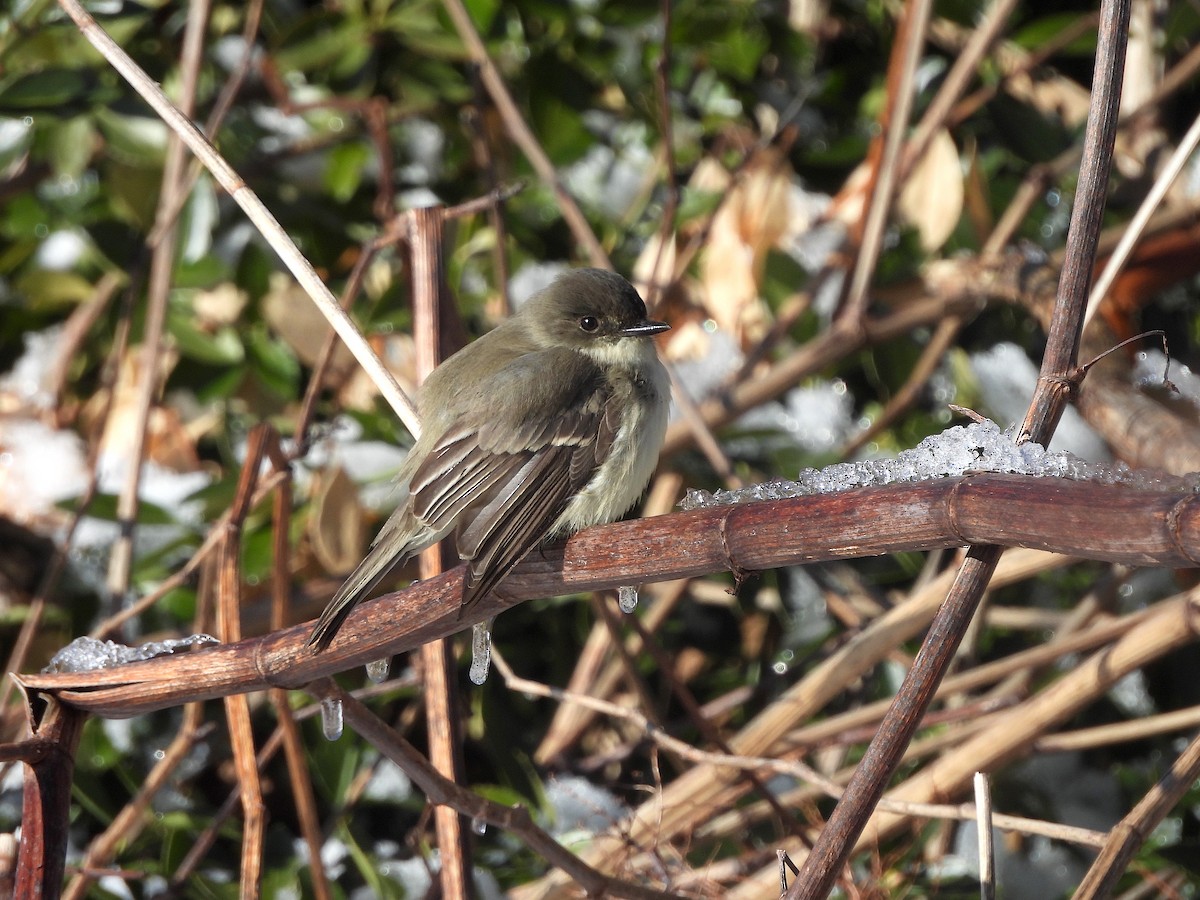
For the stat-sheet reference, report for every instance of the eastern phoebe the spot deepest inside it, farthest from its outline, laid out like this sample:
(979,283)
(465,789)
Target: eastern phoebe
(549,423)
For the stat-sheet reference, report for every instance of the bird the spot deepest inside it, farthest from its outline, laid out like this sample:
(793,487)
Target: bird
(549,423)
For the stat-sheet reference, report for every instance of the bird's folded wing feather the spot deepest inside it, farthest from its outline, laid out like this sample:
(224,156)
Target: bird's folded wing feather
(506,481)
(502,474)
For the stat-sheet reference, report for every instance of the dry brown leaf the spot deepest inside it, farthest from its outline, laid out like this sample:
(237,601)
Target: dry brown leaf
(336,527)
(222,305)
(398,352)
(749,222)
(1053,95)
(808,16)
(687,342)
(850,203)
(296,319)
(931,199)
(168,441)
(655,265)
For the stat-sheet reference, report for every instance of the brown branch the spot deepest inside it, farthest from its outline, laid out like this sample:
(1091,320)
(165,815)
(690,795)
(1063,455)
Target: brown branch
(162,268)
(830,347)
(1133,830)
(867,785)
(515,819)
(430,297)
(136,814)
(108,380)
(570,722)
(901,81)
(1170,625)
(1084,519)
(982,39)
(229,627)
(707,791)
(293,742)
(46,805)
(266,223)
(798,770)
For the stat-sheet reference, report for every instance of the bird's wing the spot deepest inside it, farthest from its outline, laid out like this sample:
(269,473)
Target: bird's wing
(501,474)
(505,474)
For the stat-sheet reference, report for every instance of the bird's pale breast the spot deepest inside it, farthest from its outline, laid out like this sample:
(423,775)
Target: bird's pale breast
(626,471)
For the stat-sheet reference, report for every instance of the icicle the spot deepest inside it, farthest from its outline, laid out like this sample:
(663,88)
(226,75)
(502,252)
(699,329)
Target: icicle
(627,598)
(379,669)
(331,717)
(481,651)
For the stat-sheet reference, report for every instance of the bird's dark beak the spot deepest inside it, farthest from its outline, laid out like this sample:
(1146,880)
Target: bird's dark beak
(645,328)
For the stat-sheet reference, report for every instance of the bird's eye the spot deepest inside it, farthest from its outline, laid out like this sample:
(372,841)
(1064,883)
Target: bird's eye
(589,323)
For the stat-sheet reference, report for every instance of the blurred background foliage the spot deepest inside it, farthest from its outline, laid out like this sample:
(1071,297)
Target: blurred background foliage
(355,110)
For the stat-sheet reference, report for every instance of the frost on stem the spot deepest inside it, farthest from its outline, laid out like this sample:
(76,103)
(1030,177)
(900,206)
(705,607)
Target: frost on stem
(978,447)
(87,654)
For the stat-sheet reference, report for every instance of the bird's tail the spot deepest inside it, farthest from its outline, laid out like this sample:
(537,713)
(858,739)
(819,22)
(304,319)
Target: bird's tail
(396,544)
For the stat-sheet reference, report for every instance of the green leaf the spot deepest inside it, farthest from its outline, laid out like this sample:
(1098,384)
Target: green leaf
(46,290)
(222,386)
(201,273)
(48,89)
(696,204)
(132,192)
(1027,131)
(222,348)
(140,140)
(325,42)
(344,171)
(483,12)
(739,53)
(180,603)
(72,142)
(273,362)
(104,507)
(217,497)
(23,217)
(564,136)
(1041,31)
(96,752)
(258,553)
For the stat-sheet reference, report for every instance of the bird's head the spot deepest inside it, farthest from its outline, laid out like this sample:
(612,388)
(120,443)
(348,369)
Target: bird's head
(593,311)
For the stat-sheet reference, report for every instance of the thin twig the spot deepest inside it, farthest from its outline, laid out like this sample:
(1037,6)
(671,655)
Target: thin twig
(162,266)
(522,135)
(1137,225)
(262,218)
(299,773)
(794,768)
(426,254)
(441,791)
(884,753)
(983,822)
(983,38)
(136,815)
(910,37)
(1133,830)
